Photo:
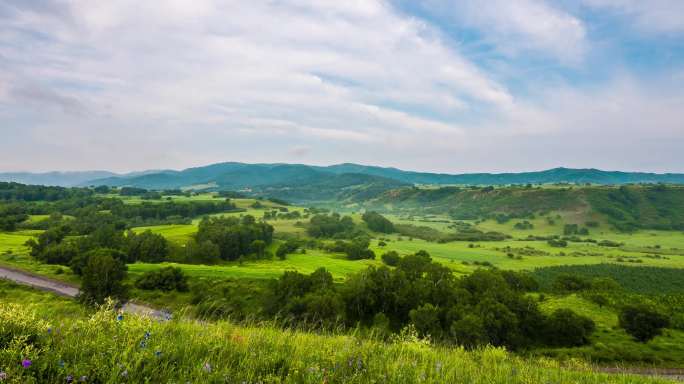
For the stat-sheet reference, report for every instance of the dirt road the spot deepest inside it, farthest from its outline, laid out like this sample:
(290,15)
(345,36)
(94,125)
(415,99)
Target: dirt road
(68,290)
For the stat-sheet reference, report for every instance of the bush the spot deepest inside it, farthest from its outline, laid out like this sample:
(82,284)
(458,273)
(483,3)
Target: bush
(570,283)
(164,279)
(102,278)
(391,258)
(377,222)
(557,243)
(565,328)
(642,322)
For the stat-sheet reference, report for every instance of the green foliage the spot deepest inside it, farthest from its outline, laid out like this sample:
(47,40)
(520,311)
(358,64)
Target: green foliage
(164,279)
(642,322)
(102,278)
(137,349)
(566,328)
(289,246)
(146,247)
(523,225)
(570,283)
(234,237)
(21,192)
(391,258)
(330,225)
(377,222)
(637,279)
(557,243)
(632,207)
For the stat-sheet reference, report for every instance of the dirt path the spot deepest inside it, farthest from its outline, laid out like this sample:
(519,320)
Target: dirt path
(68,290)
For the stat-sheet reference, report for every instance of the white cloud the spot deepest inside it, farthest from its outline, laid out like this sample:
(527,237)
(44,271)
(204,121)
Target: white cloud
(220,66)
(656,16)
(520,27)
(127,85)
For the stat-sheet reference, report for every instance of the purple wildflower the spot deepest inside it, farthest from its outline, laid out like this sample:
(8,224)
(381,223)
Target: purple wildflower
(3,376)
(69,379)
(26,363)
(207,367)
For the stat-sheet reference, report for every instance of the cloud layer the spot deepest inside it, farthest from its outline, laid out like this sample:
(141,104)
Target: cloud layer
(132,85)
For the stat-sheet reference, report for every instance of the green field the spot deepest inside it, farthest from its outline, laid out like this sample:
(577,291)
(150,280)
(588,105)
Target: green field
(265,269)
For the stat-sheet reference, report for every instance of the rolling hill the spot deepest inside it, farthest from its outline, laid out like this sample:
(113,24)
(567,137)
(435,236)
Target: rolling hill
(299,182)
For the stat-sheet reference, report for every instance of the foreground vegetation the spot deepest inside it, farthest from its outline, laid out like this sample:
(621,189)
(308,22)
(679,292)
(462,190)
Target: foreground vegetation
(42,343)
(445,276)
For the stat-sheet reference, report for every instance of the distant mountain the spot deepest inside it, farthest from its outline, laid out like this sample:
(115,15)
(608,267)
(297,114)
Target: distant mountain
(237,176)
(556,175)
(61,179)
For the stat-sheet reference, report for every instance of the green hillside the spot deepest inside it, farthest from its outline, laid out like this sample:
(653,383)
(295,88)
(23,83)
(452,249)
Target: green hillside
(626,207)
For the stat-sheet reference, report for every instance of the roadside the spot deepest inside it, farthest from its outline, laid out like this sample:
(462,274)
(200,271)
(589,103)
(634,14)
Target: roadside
(69,290)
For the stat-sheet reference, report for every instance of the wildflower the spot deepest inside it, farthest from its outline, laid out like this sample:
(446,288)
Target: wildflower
(119,317)
(49,330)
(26,363)
(3,376)
(83,379)
(207,367)
(69,379)
(143,344)
(124,373)
(157,353)
(147,334)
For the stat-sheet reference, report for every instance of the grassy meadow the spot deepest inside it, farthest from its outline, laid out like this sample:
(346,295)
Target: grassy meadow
(49,339)
(461,256)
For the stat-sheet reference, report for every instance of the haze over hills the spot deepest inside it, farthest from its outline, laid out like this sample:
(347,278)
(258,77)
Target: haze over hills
(235,175)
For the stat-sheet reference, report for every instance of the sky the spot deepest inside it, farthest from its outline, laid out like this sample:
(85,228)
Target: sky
(435,85)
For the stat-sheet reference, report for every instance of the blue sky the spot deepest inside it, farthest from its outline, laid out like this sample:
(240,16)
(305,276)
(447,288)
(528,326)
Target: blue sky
(434,85)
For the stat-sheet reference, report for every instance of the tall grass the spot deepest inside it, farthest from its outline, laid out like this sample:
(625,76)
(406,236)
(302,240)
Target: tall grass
(105,348)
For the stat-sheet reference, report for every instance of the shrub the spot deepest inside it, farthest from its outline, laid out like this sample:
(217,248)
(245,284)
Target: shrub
(102,278)
(642,322)
(391,258)
(570,283)
(565,328)
(557,243)
(377,222)
(164,279)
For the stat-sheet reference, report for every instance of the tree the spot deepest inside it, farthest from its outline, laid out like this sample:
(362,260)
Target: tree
(570,283)
(358,249)
(102,278)
(468,331)
(642,322)
(259,247)
(147,247)
(202,252)
(426,320)
(377,222)
(391,258)
(565,328)
(165,279)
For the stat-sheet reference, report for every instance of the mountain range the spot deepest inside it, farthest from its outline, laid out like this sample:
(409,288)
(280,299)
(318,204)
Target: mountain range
(297,177)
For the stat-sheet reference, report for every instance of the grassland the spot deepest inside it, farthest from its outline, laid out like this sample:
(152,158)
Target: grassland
(462,257)
(609,343)
(100,347)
